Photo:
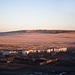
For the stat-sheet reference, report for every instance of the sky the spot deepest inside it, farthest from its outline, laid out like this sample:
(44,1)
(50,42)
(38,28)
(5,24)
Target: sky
(37,14)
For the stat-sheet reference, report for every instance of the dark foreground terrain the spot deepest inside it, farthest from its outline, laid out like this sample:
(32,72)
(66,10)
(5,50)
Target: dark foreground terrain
(40,70)
(62,63)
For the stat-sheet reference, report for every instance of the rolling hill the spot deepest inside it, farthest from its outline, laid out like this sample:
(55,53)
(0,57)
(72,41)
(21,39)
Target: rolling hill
(37,39)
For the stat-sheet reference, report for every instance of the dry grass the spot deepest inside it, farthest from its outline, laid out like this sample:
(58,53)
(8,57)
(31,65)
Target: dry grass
(39,40)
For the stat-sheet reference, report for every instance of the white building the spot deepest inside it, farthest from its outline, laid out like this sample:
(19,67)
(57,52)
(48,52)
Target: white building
(63,49)
(13,52)
(56,50)
(38,51)
(48,51)
(5,52)
(25,52)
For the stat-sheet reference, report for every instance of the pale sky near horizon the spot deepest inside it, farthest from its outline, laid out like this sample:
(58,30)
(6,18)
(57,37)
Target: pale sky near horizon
(37,14)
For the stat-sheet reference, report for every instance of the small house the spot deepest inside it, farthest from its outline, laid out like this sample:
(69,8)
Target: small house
(63,49)
(25,52)
(5,52)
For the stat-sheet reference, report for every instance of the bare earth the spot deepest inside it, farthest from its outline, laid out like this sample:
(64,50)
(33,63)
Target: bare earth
(38,40)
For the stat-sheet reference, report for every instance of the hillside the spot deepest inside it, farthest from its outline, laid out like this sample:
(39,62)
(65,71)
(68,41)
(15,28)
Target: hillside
(37,39)
(37,31)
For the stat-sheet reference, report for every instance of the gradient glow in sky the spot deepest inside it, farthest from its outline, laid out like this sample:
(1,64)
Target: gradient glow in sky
(37,14)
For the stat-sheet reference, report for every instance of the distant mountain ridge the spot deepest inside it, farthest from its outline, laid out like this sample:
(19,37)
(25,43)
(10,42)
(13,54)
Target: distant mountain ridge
(37,31)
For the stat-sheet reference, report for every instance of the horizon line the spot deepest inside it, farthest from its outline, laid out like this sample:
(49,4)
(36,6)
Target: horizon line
(39,29)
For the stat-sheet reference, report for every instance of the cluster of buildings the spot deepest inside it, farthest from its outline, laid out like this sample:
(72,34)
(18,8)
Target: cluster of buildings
(8,52)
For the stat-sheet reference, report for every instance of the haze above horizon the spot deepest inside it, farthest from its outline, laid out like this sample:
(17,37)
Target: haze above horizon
(37,14)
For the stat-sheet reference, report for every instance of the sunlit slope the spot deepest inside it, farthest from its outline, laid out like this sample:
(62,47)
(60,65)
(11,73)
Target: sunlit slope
(38,40)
